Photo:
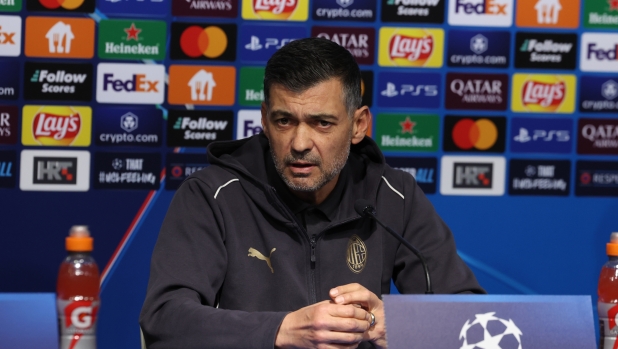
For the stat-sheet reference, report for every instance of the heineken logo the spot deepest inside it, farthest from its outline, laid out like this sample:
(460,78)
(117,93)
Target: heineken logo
(126,39)
(407,132)
(601,14)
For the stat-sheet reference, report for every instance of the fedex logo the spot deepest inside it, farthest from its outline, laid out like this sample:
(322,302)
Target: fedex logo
(490,13)
(249,123)
(137,83)
(10,36)
(599,52)
(490,7)
(130,83)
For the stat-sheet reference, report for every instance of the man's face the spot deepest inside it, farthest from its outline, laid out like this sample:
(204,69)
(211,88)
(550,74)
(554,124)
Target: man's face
(310,135)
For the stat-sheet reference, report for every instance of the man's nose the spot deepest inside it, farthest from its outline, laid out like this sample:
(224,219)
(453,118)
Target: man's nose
(303,141)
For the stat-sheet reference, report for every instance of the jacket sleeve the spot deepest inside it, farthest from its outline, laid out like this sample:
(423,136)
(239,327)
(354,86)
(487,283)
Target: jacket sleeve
(187,270)
(426,231)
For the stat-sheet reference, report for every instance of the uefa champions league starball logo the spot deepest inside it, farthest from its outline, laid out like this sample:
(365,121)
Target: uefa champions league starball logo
(490,332)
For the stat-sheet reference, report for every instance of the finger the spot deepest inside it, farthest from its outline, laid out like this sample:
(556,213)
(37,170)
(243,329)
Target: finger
(334,292)
(339,338)
(363,297)
(349,311)
(338,324)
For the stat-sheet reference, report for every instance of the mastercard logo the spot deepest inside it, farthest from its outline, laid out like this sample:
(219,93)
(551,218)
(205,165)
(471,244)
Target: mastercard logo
(210,42)
(481,134)
(65,4)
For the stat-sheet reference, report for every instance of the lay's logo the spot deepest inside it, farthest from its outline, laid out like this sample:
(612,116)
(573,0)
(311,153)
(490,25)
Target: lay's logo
(278,10)
(411,47)
(56,125)
(536,93)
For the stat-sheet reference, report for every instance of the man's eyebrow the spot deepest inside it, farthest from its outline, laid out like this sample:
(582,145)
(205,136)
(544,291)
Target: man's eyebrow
(327,117)
(278,113)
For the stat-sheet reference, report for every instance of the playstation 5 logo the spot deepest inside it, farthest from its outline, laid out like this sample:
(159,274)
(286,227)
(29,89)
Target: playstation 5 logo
(542,135)
(426,90)
(254,45)
(391,90)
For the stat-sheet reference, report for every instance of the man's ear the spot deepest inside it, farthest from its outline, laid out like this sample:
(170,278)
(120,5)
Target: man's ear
(360,124)
(264,111)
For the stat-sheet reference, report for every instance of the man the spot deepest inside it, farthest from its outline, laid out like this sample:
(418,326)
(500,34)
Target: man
(264,249)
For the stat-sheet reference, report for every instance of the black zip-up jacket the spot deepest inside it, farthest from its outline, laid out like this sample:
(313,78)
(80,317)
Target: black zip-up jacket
(208,290)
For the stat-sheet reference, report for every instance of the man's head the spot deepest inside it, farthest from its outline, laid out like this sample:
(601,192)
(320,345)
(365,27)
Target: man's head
(302,64)
(312,114)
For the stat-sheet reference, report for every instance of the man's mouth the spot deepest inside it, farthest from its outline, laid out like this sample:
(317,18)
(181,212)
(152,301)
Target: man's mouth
(301,167)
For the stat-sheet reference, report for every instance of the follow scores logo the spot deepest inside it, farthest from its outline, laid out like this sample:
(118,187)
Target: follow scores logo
(276,10)
(130,83)
(411,47)
(538,93)
(203,41)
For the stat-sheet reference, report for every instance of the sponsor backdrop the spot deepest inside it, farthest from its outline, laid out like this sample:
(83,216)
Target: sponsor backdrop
(505,111)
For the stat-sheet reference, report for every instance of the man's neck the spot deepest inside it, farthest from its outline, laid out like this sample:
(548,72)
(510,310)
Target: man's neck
(318,196)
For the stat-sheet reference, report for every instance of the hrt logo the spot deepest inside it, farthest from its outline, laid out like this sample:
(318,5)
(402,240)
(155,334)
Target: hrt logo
(473,175)
(55,170)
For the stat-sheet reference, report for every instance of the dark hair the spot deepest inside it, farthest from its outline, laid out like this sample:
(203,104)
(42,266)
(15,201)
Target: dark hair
(304,63)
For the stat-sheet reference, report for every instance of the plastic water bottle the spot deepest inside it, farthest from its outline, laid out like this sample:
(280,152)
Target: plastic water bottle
(608,296)
(77,292)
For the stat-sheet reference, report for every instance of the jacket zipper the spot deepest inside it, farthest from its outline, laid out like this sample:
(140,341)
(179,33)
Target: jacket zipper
(312,293)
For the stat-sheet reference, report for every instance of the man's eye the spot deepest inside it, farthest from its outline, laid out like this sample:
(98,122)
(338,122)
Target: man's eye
(283,121)
(324,123)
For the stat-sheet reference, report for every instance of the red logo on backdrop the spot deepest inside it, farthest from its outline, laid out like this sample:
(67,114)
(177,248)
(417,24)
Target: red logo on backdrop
(282,9)
(410,47)
(585,178)
(51,129)
(547,96)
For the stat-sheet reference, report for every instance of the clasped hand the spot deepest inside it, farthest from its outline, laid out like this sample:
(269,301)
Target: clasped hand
(342,322)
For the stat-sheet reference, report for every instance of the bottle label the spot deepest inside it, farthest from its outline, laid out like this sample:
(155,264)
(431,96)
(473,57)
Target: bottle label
(608,324)
(77,323)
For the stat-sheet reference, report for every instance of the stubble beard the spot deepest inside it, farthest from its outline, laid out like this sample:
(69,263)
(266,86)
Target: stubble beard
(325,175)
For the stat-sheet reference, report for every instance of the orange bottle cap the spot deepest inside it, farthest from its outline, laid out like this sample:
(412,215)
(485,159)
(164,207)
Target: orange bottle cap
(79,239)
(612,245)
